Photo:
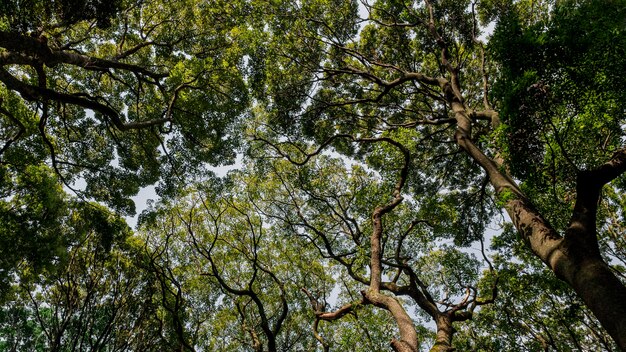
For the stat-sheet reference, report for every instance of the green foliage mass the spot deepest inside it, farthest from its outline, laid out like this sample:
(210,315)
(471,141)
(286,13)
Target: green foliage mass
(347,117)
(150,98)
(27,15)
(559,93)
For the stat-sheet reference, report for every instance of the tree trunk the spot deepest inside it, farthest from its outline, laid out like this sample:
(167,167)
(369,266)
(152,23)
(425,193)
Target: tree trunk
(445,332)
(574,257)
(599,288)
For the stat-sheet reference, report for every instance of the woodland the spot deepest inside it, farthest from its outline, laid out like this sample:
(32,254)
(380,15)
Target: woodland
(428,175)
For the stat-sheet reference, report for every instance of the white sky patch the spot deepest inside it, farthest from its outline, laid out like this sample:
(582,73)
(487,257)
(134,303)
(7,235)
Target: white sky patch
(487,32)
(142,200)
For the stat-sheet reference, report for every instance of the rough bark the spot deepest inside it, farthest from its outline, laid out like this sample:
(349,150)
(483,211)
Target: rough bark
(445,332)
(575,257)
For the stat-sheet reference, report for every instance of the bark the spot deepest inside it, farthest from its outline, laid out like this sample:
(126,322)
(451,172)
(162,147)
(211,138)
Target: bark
(445,332)
(575,257)
(603,294)
(408,336)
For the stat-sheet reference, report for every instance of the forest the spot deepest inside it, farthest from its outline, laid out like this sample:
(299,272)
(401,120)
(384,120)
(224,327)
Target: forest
(405,175)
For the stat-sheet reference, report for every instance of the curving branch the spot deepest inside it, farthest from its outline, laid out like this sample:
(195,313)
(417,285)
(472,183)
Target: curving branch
(36,52)
(37,49)
(35,93)
(20,128)
(271,331)
(328,316)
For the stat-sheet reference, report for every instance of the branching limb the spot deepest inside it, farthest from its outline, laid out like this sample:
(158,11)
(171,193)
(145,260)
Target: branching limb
(327,316)
(20,128)
(35,93)
(589,185)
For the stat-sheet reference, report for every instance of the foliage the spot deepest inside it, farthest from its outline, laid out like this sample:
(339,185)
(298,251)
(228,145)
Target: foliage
(40,223)
(91,298)
(380,141)
(152,97)
(534,311)
(26,15)
(559,94)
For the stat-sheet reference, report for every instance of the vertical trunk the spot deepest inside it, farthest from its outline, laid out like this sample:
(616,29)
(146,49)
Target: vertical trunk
(408,341)
(575,258)
(408,336)
(602,292)
(445,332)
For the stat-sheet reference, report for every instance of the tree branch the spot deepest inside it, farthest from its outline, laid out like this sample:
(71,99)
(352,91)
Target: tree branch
(21,129)
(35,93)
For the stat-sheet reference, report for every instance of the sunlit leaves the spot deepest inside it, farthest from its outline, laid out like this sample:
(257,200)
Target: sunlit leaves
(174,71)
(558,91)
(333,110)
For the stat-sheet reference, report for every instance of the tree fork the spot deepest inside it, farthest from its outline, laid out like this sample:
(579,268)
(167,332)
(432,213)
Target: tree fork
(574,258)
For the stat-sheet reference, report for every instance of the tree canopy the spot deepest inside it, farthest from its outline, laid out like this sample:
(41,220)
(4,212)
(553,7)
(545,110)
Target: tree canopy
(415,175)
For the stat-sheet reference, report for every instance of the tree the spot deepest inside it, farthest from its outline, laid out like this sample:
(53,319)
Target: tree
(277,246)
(89,299)
(101,98)
(421,67)
(392,255)
(222,261)
(391,137)
(119,94)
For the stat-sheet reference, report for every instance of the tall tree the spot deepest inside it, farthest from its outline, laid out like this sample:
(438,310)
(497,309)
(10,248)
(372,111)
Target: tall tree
(421,68)
(90,298)
(232,270)
(103,98)
(435,132)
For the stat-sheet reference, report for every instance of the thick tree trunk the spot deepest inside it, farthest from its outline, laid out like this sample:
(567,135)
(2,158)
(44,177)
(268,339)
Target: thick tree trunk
(445,332)
(599,288)
(574,257)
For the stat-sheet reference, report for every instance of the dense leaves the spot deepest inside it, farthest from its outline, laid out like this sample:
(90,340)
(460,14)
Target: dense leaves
(559,93)
(378,141)
(27,15)
(153,97)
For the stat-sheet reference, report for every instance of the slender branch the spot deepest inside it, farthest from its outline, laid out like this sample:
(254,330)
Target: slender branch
(17,134)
